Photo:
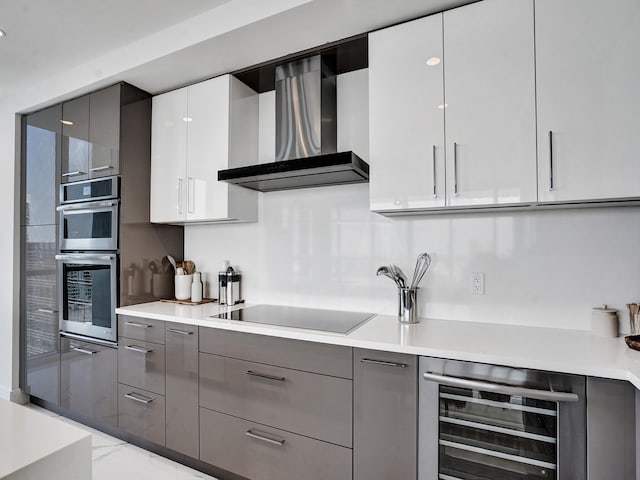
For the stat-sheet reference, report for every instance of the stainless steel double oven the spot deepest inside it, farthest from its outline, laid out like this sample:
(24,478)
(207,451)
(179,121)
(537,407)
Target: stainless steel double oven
(88,262)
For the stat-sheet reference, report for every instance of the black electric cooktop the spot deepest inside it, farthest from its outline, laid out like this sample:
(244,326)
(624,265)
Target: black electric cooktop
(333,321)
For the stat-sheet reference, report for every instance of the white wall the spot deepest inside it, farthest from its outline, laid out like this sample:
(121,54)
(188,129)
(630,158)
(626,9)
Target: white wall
(321,247)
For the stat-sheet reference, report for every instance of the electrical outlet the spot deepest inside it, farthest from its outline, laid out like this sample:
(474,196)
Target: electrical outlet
(477,285)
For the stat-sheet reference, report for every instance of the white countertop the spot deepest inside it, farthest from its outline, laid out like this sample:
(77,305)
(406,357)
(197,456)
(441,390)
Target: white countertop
(558,350)
(34,445)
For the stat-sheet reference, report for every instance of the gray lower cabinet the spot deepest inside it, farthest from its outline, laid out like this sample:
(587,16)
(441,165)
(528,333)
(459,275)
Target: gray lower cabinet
(182,425)
(144,329)
(310,404)
(385,415)
(141,364)
(141,413)
(259,452)
(88,380)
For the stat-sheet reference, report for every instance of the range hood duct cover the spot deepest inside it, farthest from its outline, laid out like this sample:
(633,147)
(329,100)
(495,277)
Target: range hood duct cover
(306,134)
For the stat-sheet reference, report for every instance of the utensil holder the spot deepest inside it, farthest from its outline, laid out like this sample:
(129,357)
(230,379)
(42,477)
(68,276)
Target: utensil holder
(183,286)
(408,305)
(634,322)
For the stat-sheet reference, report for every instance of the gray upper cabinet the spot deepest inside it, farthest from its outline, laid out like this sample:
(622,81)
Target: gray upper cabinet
(182,425)
(88,380)
(75,140)
(385,415)
(104,132)
(42,146)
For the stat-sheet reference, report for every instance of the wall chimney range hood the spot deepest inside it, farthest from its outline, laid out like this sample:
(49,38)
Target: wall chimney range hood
(306,133)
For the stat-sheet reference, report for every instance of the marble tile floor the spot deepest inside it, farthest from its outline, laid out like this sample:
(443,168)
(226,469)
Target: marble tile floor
(116,459)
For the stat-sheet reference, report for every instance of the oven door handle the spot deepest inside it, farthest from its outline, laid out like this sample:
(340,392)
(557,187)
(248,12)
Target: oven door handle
(85,256)
(498,388)
(89,206)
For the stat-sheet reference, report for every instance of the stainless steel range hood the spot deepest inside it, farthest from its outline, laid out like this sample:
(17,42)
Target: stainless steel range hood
(306,134)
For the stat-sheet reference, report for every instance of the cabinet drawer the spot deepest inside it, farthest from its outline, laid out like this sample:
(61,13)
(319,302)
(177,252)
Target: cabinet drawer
(300,355)
(264,453)
(137,328)
(141,365)
(313,405)
(141,413)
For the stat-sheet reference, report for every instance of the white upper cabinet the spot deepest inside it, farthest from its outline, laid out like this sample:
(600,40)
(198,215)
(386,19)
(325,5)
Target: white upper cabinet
(196,131)
(406,127)
(490,117)
(477,85)
(588,75)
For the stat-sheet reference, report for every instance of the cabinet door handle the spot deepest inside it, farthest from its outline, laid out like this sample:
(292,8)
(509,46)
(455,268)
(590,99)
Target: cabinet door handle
(455,169)
(550,161)
(179,332)
(73,174)
(46,310)
(84,350)
(99,169)
(275,441)
(133,348)
(138,325)
(435,193)
(383,362)
(265,375)
(190,194)
(179,199)
(138,398)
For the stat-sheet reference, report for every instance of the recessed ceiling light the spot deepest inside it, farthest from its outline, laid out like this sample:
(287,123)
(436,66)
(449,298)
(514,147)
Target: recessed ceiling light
(187,119)
(433,61)
(3,33)
(442,106)
(66,122)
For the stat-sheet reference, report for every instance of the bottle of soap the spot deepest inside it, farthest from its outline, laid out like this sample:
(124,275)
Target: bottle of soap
(196,288)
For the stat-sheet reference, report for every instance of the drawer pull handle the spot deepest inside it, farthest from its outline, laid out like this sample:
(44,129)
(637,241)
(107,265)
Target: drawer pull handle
(383,362)
(73,174)
(138,398)
(179,332)
(274,441)
(99,169)
(133,348)
(265,375)
(47,310)
(137,325)
(84,350)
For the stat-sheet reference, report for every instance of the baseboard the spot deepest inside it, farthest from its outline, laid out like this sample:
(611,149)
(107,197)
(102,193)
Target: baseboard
(15,396)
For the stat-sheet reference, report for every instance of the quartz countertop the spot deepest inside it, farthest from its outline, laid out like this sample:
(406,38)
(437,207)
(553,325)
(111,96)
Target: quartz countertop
(34,445)
(568,351)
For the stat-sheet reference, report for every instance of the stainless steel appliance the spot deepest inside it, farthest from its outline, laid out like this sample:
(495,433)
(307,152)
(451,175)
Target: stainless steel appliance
(88,294)
(488,422)
(89,215)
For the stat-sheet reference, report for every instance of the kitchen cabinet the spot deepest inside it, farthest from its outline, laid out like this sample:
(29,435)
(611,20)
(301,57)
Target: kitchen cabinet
(196,131)
(468,72)
(40,313)
(385,415)
(92,133)
(587,99)
(182,408)
(406,116)
(141,413)
(88,380)
(141,365)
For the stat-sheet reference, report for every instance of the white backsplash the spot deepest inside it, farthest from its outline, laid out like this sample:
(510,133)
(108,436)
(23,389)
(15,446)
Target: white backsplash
(321,247)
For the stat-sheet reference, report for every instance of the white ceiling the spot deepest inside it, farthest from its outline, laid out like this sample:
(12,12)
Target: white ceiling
(161,44)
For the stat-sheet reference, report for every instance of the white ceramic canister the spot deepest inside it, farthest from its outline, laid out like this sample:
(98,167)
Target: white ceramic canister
(604,321)
(183,286)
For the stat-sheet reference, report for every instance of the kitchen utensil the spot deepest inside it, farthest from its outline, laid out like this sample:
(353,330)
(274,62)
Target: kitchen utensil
(172,261)
(422,265)
(189,267)
(634,318)
(399,274)
(386,271)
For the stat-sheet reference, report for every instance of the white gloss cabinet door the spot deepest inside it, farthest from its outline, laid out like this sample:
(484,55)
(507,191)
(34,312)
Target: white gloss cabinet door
(169,157)
(208,149)
(588,76)
(490,103)
(406,118)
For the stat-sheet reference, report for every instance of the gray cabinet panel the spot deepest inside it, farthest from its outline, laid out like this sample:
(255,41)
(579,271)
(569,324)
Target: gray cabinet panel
(264,453)
(75,140)
(40,313)
(144,329)
(314,405)
(88,380)
(141,365)
(384,415)
(141,413)
(611,420)
(182,388)
(104,132)
(308,356)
